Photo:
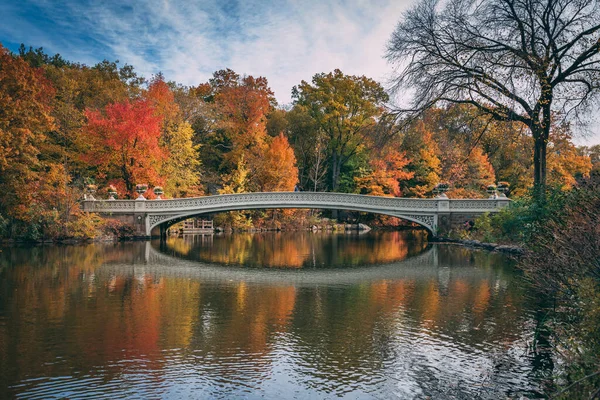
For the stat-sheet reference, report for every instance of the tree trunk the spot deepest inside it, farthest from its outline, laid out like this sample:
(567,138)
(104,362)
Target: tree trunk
(334,172)
(539,164)
(541,133)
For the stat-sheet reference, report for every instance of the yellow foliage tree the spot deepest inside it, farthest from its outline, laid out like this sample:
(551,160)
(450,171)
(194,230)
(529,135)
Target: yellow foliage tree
(181,168)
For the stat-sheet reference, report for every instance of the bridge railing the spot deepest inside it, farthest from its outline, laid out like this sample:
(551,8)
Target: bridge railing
(296,200)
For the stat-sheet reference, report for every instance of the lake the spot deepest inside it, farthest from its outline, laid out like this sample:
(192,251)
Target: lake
(267,315)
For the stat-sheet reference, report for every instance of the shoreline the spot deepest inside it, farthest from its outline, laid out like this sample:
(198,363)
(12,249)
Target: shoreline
(476,244)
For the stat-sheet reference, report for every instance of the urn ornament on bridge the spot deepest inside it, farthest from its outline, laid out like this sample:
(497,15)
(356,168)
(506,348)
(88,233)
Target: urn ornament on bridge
(141,188)
(440,190)
(491,189)
(90,190)
(112,192)
(503,188)
(158,191)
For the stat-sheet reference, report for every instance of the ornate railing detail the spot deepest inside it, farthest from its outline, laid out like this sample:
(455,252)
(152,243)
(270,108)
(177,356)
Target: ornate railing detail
(155,219)
(308,198)
(475,204)
(114,205)
(427,220)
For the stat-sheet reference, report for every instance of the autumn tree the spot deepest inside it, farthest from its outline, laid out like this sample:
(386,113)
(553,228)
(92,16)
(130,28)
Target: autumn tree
(425,165)
(385,174)
(162,98)
(345,108)
(470,177)
(25,118)
(278,172)
(309,143)
(125,144)
(236,128)
(565,161)
(243,105)
(519,61)
(593,152)
(181,169)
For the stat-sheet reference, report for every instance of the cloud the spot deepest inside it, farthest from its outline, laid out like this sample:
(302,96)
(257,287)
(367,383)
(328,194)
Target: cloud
(283,41)
(286,41)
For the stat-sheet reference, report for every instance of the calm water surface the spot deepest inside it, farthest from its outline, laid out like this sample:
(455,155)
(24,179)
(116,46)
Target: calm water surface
(277,315)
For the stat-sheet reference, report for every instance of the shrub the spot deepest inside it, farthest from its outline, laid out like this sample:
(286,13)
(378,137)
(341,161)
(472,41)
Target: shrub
(118,229)
(523,221)
(564,264)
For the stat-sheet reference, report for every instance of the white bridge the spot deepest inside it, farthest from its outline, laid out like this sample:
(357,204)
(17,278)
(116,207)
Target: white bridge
(152,217)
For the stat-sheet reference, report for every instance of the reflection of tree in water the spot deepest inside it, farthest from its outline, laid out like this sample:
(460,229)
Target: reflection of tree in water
(300,249)
(64,303)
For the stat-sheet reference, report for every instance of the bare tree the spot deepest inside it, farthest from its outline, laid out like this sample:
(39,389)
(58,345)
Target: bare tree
(516,60)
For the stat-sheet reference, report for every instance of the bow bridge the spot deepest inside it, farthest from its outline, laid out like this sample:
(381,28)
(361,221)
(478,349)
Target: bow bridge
(153,217)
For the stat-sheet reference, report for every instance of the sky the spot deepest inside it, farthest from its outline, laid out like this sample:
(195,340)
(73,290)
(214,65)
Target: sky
(286,41)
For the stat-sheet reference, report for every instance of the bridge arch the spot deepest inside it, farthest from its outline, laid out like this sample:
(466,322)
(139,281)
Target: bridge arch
(426,221)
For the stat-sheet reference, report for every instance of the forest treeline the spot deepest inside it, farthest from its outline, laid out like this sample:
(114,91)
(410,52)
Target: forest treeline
(65,126)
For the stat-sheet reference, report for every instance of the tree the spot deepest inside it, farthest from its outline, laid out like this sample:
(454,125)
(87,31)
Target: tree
(565,162)
(385,174)
(278,171)
(243,104)
(309,143)
(181,169)
(125,144)
(236,127)
(470,177)
(512,59)
(593,152)
(25,100)
(163,100)
(424,162)
(345,108)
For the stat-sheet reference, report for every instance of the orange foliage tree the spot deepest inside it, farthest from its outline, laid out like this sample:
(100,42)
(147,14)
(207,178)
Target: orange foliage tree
(278,172)
(425,164)
(565,162)
(124,144)
(385,175)
(243,104)
(25,97)
(163,100)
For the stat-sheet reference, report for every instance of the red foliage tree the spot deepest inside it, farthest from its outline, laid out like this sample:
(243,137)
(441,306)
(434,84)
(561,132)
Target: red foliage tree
(125,144)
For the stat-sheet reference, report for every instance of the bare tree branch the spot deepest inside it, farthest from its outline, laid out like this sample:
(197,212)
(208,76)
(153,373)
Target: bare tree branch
(516,60)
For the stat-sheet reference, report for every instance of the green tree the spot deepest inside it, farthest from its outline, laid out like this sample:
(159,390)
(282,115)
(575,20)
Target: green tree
(345,108)
(309,142)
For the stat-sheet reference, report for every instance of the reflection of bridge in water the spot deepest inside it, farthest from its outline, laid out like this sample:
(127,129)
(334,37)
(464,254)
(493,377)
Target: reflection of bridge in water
(424,266)
(153,217)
